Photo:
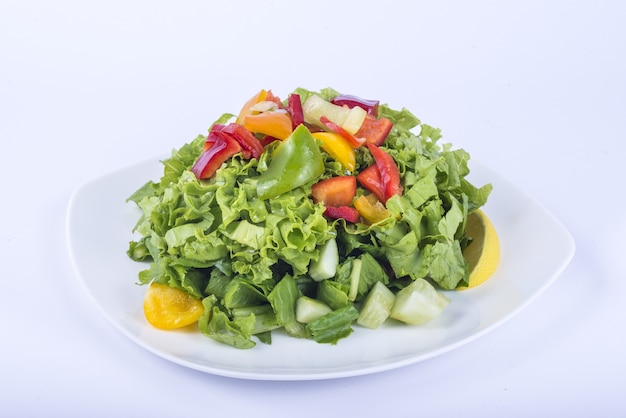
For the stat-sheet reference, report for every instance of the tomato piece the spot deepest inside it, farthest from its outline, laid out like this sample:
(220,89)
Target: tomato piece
(275,123)
(370,179)
(389,173)
(371,209)
(333,127)
(249,143)
(348,213)
(335,191)
(374,130)
(210,160)
(294,107)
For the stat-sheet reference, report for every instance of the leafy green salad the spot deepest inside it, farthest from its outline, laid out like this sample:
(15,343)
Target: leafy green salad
(309,216)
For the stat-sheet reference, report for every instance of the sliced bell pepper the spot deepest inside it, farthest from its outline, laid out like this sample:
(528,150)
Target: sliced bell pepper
(294,107)
(271,97)
(352,140)
(374,130)
(275,123)
(210,160)
(371,209)
(250,145)
(265,140)
(370,179)
(335,191)
(212,136)
(294,162)
(389,173)
(338,148)
(247,107)
(348,213)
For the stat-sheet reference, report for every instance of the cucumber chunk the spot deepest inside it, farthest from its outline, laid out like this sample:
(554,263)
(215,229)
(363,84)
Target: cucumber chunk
(355,275)
(309,309)
(354,120)
(418,303)
(315,107)
(326,266)
(376,307)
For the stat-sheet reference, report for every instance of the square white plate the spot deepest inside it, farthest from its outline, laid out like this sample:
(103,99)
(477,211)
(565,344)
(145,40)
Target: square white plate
(535,248)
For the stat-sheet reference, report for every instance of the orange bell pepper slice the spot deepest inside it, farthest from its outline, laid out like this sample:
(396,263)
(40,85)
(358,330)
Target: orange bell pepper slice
(371,209)
(276,124)
(247,107)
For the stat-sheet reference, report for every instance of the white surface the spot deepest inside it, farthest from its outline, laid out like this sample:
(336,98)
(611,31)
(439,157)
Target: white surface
(535,250)
(535,90)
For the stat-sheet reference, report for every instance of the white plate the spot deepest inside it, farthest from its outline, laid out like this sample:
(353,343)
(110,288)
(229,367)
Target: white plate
(535,249)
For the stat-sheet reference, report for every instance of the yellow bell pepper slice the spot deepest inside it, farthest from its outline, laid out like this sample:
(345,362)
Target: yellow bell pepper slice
(338,148)
(168,307)
(371,209)
(247,107)
(276,124)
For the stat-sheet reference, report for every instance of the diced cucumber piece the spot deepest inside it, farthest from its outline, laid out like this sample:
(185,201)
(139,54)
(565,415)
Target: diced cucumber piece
(355,275)
(354,120)
(376,307)
(309,309)
(349,119)
(418,303)
(315,107)
(326,266)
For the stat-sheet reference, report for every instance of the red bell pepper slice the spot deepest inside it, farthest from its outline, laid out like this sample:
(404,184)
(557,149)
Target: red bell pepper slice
(220,150)
(265,140)
(389,173)
(348,213)
(335,191)
(212,136)
(355,141)
(374,130)
(370,179)
(294,107)
(250,145)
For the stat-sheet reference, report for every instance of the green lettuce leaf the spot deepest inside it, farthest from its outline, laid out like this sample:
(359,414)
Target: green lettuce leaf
(248,258)
(332,327)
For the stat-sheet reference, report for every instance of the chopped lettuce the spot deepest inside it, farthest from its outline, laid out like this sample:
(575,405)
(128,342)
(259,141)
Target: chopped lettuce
(248,257)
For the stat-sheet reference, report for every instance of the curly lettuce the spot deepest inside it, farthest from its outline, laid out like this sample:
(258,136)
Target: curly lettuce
(248,258)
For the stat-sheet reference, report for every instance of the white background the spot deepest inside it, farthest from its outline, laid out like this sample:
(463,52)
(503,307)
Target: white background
(534,89)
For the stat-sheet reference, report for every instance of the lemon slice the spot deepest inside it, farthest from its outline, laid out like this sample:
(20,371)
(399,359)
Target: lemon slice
(483,253)
(167,307)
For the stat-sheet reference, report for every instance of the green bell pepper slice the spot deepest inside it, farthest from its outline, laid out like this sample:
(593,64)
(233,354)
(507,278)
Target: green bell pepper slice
(295,161)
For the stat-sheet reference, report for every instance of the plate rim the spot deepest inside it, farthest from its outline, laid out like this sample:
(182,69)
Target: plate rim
(566,236)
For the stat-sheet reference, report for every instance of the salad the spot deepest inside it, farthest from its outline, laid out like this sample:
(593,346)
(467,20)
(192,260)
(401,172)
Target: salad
(308,216)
